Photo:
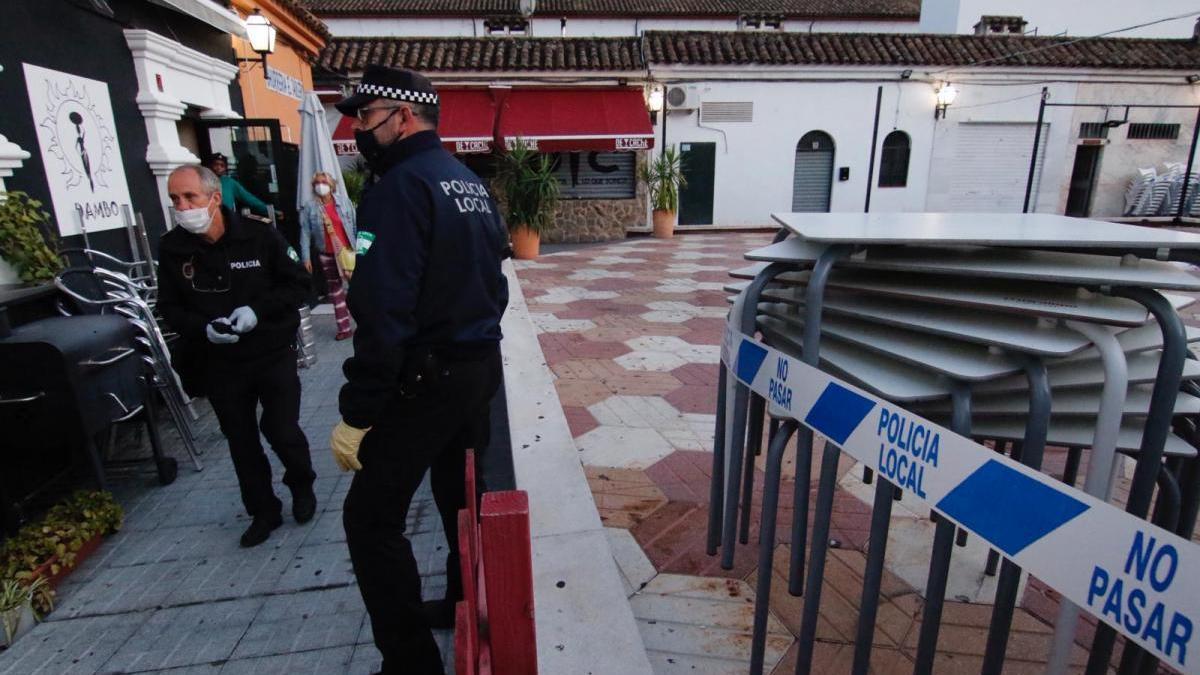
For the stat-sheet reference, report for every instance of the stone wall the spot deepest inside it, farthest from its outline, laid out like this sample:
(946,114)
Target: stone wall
(589,220)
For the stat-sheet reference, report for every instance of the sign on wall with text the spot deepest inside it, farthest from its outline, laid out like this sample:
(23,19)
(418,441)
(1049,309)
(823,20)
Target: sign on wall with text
(80,152)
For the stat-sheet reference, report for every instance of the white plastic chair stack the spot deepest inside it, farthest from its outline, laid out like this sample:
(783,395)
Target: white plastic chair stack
(1137,195)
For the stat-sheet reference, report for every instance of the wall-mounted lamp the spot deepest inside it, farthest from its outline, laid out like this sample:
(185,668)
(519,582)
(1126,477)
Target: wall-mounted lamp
(654,102)
(945,93)
(262,39)
(1192,79)
(905,74)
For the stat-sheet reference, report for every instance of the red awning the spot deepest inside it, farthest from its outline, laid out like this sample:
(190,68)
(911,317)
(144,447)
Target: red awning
(560,120)
(467,116)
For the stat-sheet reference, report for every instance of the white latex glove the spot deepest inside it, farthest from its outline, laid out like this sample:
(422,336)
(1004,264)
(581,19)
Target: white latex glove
(243,319)
(220,338)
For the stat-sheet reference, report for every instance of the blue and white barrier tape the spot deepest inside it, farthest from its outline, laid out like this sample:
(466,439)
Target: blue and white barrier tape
(1140,579)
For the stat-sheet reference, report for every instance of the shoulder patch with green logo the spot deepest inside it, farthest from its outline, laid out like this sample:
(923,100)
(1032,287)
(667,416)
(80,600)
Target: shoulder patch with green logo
(291,253)
(363,243)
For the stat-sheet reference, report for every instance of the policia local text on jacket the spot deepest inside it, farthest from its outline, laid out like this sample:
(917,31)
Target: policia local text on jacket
(199,281)
(428,294)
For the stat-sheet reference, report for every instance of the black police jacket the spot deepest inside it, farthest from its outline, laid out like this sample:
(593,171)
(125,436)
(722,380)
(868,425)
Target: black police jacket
(430,242)
(251,264)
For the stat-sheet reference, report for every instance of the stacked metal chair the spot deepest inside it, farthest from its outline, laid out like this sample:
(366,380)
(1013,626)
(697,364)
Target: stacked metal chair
(94,289)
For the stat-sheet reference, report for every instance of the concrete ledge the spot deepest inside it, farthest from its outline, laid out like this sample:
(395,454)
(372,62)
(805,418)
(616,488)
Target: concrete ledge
(584,622)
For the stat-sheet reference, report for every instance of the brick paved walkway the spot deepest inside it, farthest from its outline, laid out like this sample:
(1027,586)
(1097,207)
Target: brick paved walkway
(173,591)
(631,330)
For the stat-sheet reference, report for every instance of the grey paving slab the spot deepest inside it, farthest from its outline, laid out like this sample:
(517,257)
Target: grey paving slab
(232,576)
(121,589)
(367,659)
(304,621)
(186,636)
(320,566)
(190,543)
(173,592)
(68,647)
(333,660)
(326,528)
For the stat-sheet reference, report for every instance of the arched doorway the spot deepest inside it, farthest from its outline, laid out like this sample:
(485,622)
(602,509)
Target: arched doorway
(812,181)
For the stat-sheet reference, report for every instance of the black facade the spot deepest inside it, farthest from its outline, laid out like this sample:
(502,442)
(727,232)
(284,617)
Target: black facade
(73,37)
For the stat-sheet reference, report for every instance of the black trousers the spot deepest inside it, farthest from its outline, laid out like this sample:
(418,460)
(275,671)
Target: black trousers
(235,390)
(430,430)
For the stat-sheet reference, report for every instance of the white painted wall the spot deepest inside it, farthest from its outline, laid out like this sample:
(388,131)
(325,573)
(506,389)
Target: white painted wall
(582,26)
(1074,17)
(754,162)
(1121,156)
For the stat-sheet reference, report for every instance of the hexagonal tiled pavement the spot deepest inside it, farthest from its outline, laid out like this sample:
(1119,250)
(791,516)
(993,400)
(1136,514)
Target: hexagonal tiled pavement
(631,331)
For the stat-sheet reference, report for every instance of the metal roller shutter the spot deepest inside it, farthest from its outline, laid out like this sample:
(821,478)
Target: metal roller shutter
(991,166)
(812,180)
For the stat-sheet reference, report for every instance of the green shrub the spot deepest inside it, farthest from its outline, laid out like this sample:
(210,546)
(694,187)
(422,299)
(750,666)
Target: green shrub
(26,239)
(56,539)
(530,189)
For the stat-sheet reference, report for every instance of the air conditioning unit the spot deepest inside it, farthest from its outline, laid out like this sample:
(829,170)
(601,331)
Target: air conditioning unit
(682,97)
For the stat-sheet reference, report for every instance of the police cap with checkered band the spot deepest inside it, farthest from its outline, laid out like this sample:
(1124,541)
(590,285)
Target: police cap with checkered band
(390,83)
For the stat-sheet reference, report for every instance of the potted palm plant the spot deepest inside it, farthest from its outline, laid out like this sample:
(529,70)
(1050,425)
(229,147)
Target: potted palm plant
(663,178)
(530,190)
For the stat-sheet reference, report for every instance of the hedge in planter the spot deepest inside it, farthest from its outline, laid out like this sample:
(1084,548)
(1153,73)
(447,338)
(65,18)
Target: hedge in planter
(51,547)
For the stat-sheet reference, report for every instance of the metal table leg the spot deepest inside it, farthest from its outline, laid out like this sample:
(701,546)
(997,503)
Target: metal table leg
(1154,436)
(766,543)
(716,490)
(943,549)
(1101,463)
(1032,450)
(758,408)
(744,311)
(814,299)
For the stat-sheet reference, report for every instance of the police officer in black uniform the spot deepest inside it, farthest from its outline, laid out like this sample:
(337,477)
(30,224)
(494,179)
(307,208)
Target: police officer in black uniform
(231,289)
(428,294)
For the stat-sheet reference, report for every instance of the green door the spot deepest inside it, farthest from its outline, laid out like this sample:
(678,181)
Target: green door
(696,198)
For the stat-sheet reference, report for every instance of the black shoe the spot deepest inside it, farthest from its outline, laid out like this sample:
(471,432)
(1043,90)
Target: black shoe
(260,529)
(439,614)
(304,504)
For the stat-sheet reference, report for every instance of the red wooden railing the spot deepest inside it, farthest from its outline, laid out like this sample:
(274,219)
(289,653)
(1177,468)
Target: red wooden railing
(494,632)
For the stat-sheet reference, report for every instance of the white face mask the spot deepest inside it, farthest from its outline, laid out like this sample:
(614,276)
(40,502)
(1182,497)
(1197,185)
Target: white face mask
(322,189)
(196,221)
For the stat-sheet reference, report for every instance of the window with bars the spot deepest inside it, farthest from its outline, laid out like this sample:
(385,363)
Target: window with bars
(1093,130)
(1153,131)
(507,25)
(893,162)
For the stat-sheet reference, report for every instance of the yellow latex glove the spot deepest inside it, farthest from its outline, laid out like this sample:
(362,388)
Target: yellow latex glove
(345,441)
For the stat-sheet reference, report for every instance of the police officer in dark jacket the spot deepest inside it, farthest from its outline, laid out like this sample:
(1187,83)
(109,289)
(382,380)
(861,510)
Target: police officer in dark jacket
(428,294)
(231,289)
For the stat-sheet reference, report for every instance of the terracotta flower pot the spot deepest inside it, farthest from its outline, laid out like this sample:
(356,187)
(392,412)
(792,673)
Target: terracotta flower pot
(664,224)
(526,243)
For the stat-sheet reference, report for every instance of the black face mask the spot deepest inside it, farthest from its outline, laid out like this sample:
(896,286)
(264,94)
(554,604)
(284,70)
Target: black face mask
(369,146)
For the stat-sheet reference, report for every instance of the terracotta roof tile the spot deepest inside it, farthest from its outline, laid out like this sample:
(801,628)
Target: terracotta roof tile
(886,9)
(906,49)
(514,54)
(491,54)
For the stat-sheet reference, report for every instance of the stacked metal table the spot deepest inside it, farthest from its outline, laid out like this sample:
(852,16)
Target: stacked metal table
(1021,329)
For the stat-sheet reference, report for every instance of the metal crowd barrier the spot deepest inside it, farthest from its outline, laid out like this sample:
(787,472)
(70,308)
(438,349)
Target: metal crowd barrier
(1023,329)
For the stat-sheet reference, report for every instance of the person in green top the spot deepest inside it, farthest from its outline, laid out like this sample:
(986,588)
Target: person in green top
(233,195)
